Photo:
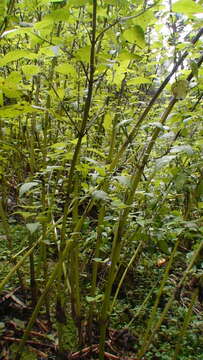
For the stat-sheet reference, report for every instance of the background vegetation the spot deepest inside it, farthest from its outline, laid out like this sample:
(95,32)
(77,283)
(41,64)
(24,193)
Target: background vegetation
(101,176)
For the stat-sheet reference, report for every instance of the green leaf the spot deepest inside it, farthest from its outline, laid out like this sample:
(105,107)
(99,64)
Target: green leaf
(30,70)
(139,80)
(180,89)
(25,214)
(66,69)
(77,3)
(187,7)
(32,227)
(14,56)
(135,35)
(12,111)
(26,187)
(162,244)
(83,54)
(96,298)
(118,204)
(59,14)
(100,195)
(194,68)
(123,180)
(182,148)
(107,123)
(146,19)
(164,161)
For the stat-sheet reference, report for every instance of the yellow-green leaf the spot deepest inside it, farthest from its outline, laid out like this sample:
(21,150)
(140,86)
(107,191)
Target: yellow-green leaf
(135,35)
(139,80)
(187,7)
(65,69)
(30,70)
(180,89)
(13,56)
(107,123)
(83,54)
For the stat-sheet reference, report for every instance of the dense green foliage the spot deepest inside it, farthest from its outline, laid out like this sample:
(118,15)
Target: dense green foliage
(101,168)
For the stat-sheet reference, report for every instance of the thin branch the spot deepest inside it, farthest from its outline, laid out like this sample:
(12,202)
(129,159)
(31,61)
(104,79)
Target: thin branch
(122,19)
(134,131)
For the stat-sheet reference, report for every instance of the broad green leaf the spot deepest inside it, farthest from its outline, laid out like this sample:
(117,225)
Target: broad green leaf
(139,80)
(194,68)
(123,180)
(200,205)
(100,153)
(164,161)
(118,204)
(47,51)
(10,85)
(84,140)
(100,195)
(31,70)
(12,111)
(96,298)
(162,244)
(77,3)
(25,214)
(187,7)
(66,69)
(83,54)
(26,187)
(46,23)
(146,19)
(125,55)
(32,227)
(135,35)
(107,123)
(99,260)
(14,56)
(59,14)
(182,148)
(180,89)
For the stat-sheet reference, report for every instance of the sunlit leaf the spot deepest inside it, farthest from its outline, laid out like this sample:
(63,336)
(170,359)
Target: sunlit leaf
(31,70)
(27,187)
(107,123)
(180,89)
(182,148)
(187,7)
(100,195)
(66,69)
(139,80)
(164,161)
(32,227)
(135,35)
(14,55)
(123,180)
(83,54)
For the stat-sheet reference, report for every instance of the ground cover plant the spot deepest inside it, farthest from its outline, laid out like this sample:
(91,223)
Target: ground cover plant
(101,179)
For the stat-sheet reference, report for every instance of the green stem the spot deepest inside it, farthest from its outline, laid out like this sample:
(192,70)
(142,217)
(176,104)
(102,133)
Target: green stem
(117,243)
(169,303)
(135,129)
(186,322)
(135,255)
(160,291)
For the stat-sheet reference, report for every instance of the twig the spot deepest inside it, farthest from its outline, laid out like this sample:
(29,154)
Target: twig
(29,342)
(123,19)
